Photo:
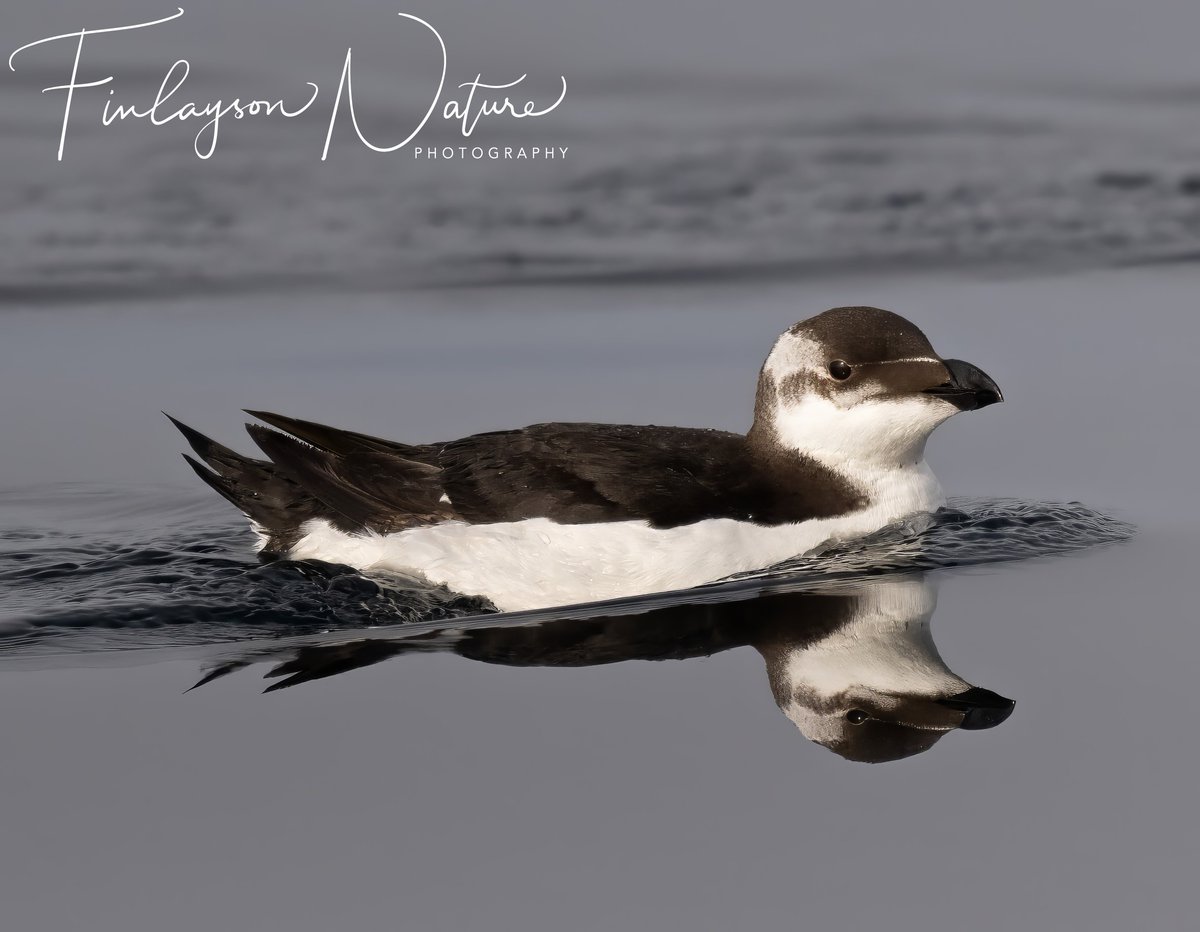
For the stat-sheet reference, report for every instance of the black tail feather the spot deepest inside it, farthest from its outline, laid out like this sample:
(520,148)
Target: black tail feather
(264,493)
(372,489)
(213,453)
(220,670)
(344,442)
(318,662)
(315,470)
(215,482)
(353,481)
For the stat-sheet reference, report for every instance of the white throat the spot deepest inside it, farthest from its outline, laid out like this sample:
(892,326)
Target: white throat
(879,447)
(869,435)
(886,647)
(885,651)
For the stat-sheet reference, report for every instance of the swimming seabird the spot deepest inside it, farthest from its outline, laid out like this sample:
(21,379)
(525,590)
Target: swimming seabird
(560,513)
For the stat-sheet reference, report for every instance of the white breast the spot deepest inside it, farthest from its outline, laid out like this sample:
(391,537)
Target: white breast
(537,563)
(886,647)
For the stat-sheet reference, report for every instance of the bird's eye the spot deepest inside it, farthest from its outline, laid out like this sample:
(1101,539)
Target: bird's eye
(856,716)
(840,369)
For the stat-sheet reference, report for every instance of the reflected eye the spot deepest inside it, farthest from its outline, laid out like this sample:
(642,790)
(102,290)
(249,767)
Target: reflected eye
(840,369)
(856,716)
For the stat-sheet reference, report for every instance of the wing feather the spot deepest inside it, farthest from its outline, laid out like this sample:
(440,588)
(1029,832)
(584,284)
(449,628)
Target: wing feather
(582,473)
(377,491)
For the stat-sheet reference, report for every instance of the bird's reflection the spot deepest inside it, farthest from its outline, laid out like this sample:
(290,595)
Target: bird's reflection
(854,667)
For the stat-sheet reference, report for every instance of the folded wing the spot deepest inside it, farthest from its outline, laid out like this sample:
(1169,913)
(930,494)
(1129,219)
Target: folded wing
(584,473)
(568,473)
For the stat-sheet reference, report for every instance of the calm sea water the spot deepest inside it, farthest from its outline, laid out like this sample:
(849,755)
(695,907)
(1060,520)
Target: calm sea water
(429,787)
(623,766)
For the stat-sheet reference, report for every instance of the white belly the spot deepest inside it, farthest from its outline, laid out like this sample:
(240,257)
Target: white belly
(537,563)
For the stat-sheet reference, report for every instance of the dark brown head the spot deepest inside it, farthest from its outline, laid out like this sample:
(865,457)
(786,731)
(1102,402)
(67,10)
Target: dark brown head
(861,384)
(875,688)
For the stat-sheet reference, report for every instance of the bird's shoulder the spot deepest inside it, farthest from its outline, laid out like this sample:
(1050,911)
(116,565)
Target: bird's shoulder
(575,473)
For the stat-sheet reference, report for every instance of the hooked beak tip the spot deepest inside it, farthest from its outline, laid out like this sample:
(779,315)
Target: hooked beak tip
(981,708)
(969,388)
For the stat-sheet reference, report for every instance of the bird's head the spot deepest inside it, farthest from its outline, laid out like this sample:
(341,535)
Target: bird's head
(874,688)
(861,384)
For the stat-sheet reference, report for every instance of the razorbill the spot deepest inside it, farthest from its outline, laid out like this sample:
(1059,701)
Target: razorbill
(855,667)
(557,514)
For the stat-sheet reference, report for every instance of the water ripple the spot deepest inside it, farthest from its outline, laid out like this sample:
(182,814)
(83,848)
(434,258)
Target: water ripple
(71,592)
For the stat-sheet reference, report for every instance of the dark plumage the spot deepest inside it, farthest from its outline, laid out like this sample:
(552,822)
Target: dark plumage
(569,473)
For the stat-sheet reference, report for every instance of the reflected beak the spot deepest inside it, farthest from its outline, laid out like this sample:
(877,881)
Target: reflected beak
(968,387)
(982,707)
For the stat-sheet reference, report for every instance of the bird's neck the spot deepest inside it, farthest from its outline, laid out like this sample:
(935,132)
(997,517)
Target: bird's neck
(886,644)
(891,478)
(868,435)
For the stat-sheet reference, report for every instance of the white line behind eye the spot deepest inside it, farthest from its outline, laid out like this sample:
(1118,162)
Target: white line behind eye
(888,362)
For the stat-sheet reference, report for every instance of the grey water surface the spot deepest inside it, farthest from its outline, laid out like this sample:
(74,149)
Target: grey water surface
(433,791)
(1021,180)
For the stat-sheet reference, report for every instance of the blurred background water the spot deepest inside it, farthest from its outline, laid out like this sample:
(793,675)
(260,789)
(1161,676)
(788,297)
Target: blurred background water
(777,140)
(1020,179)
